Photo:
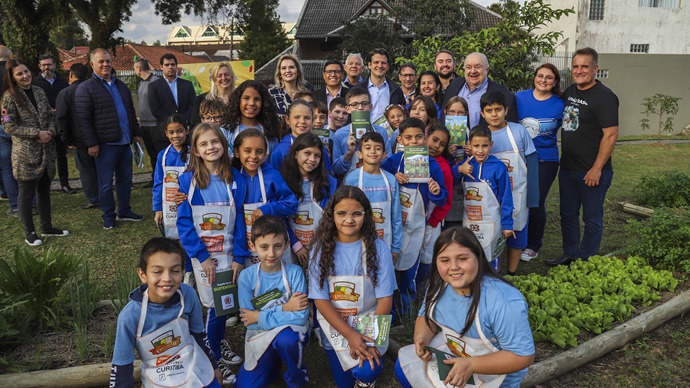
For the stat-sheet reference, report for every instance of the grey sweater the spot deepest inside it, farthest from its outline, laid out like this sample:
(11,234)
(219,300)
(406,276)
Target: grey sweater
(146,118)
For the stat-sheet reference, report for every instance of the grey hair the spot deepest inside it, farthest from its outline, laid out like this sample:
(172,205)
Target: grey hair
(482,56)
(356,55)
(93,53)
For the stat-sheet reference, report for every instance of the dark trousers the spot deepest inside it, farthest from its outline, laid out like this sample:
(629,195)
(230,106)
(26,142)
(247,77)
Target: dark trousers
(41,187)
(537,215)
(61,149)
(575,194)
(87,173)
(114,160)
(155,141)
(10,184)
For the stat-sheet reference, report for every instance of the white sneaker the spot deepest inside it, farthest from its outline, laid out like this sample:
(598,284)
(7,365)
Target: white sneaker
(231,321)
(229,376)
(359,384)
(528,255)
(228,356)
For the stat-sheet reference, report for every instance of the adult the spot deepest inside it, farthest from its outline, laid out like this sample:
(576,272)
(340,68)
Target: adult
(52,84)
(289,80)
(10,187)
(150,130)
(474,84)
(590,130)
(108,124)
(333,72)
(444,65)
(540,111)
(383,90)
(222,86)
(408,78)
(429,85)
(68,131)
(170,94)
(28,118)
(354,65)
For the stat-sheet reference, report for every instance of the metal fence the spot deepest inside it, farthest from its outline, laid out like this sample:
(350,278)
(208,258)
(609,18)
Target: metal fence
(562,60)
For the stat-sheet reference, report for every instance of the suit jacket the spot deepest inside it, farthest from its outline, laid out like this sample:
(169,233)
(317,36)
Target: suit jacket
(321,94)
(51,90)
(162,102)
(396,94)
(65,117)
(458,82)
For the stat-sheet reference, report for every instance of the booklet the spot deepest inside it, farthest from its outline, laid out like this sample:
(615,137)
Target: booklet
(417,164)
(443,368)
(376,327)
(457,126)
(323,133)
(137,155)
(361,123)
(382,122)
(225,294)
(269,299)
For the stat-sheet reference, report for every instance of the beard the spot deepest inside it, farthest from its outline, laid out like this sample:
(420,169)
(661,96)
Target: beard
(446,76)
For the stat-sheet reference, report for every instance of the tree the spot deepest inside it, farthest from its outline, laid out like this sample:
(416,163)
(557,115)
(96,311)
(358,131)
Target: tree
(156,43)
(264,36)
(68,33)
(357,36)
(422,16)
(660,104)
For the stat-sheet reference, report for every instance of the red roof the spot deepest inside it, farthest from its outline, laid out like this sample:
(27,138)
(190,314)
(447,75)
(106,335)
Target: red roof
(124,56)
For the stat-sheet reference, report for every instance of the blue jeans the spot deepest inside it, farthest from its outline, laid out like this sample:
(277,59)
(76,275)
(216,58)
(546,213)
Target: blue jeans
(8,181)
(347,378)
(288,348)
(537,215)
(87,173)
(114,160)
(575,194)
(407,286)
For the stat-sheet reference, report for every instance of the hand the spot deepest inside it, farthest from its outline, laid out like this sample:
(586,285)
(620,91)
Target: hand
(180,197)
(395,257)
(509,233)
(158,217)
(373,356)
(459,373)
(93,151)
(303,255)
(423,354)
(236,269)
(592,177)
(452,149)
(467,149)
(256,214)
(72,147)
(44,136)
(249,317)
(298,302)
(402,179)
(466,168)
(351,147)
(434,187)
(218,375)
(209,268)
(139,140)
(357,342)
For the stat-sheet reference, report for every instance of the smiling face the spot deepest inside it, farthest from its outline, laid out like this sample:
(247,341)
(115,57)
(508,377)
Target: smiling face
(412,137)
(428,86)
(437,142)
(338,117)
(395,117)
(348,215)
(378,65)
(418,110)
(22,76)
(209,148)
(584,71)
(444,65)
(320,119)
(252,153)
(177,134)
(270,249)
(371,153)
(360,102)
(476,70)
(544,80)
(458,267)
(250,104)
(407,76)
(308,160)
(47,67)
(353,68)
(300,119)
(333,75)
(163,276)
(480,147)
(288,70)
(224,78)
(101,64)
(495,116)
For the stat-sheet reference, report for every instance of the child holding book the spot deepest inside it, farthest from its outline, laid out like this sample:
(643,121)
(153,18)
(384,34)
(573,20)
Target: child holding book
(161,305)
(415,199)
(381,188)
(351,273)
(456,106)
(274,308)
(423,108)
(267,192)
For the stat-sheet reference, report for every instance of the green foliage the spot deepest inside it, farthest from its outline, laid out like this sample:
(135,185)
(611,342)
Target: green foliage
(264,37)
(511,46)
(68,33)
(357,36)
(25,28)
(669,188)
(126,282)
(83,297)
(664,239)
(660,105)
(422,16)
(588,295)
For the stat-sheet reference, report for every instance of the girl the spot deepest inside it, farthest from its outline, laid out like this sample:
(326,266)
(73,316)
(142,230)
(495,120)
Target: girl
(429,85)
(251,106)
(267,192)
(349,253)
(211,222)
(313,187)
(395,114)
(424,109)
(457,106)
(480,315)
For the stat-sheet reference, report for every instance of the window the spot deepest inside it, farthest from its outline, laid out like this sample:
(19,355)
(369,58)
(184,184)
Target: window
(596,10)
(602,74)
(182,33)
(660,3)
(209,32)
(639,48)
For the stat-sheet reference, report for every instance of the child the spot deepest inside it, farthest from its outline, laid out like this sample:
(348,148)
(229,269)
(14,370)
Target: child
(159,306)
(215,112)
(347,250)
(320,114)
(338,115)
(313,187)
(211,225)
(344,143)
(381,188)
(251,106)
(267,192)
(305,95)
(395,114)
(276,333)
(457,106)
(417,197)
(423,108)
(488,198)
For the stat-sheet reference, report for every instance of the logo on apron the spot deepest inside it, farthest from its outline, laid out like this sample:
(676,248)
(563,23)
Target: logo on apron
(304,236)
(344,291)
(472,194)
(248,219)
(405,199)
(164,342)
(474,213)
(507,163)
(456,346)
(378,215)
(165,359)
(171,176)
(302,218)
(213,243)
(212,221)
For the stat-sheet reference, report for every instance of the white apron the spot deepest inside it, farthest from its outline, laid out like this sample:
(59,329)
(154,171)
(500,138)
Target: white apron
(448,341)
(214,224)
(414,223)
(248,209)
(517,170)
(380,211)
(482,216)
(431,234)
(257,341)
(306,220)
(171,187)
(350,295)
(170,357)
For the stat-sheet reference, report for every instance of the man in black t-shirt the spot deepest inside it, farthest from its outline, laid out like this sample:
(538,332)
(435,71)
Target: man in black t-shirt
(590,130)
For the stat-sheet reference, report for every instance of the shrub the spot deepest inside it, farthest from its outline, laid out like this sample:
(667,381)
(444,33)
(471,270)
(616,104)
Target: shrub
(669,188)
(663,239)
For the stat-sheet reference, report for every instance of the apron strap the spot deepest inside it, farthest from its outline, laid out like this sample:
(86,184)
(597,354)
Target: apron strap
(144,309)
(364,259)
(512,139)
(257,286)
(192,188)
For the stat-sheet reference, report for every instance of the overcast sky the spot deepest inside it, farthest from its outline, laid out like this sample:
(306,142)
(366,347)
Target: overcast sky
(145,25)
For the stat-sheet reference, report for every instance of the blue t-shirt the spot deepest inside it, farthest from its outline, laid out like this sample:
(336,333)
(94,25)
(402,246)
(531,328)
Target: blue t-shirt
(549,113)
(522,140)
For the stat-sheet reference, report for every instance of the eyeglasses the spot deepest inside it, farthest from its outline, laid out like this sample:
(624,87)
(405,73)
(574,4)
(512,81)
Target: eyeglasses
(212,118)
(356,215)
(412,75)
(546,77)
(334,72)
(356,105)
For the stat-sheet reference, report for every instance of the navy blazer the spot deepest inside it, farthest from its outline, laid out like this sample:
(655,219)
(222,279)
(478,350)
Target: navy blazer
(458,82)
(162,103)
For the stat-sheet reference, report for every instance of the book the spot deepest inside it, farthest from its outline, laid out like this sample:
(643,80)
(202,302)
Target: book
(443,368)
(417,164)
(323,134)
(269,299)
(361,123)
(137,155)
(376,327)
(382,122)
(225,294)
(457,126)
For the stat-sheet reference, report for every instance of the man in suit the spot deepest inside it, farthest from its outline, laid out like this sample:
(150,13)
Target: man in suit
(333,72)
(474,84)
(383,90)
(170,94)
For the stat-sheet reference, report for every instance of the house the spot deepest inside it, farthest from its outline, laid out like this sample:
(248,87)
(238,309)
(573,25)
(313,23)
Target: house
(125,55)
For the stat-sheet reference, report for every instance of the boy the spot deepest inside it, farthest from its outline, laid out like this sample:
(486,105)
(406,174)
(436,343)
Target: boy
(381,188)
(414,201)
(344,143)
(162,317)
(488,200)
(320,117)
(213,112)
(305,95)
(337,114)
(277,332)
(514,147)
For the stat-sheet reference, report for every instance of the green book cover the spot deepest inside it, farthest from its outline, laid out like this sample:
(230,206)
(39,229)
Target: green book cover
(225,294)
(376,327)
(382,122)
(323,133)
(443,368)
(457,126)
(361,123)
(268,299)
(417,164)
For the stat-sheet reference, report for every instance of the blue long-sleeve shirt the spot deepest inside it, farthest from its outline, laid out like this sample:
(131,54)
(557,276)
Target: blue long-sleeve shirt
(272,317)
(173,159)
(529,155)
(341,166)
(394,161)
(281,150)
(332,186)
(185,223)
(280,200)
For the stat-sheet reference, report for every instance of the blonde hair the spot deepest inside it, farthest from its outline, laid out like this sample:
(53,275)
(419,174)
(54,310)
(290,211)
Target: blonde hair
(279,84)
(213,92)
(196,163)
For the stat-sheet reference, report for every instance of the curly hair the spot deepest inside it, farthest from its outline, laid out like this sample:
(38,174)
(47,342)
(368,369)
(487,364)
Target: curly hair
(179,119)
(318,177)
(267,116)
(327,233)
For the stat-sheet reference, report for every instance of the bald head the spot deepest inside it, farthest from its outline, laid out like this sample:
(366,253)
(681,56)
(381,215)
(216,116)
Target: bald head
(5,53)
(476,69)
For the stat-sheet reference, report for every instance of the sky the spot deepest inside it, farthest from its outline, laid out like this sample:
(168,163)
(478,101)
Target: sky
(145,25)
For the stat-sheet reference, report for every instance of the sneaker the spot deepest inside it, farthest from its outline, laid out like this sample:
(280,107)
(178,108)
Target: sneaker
(13,212)
(54,232)
(33,240)
(227,355)
(130,216)
(189,279)
(68,190)
(4,197)
(231,321)
(359,384)
(109,224)
(528,255)
(90,205)
(229,376)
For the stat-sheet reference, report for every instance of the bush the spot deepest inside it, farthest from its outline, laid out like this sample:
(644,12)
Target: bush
(664,239)
(669,188)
